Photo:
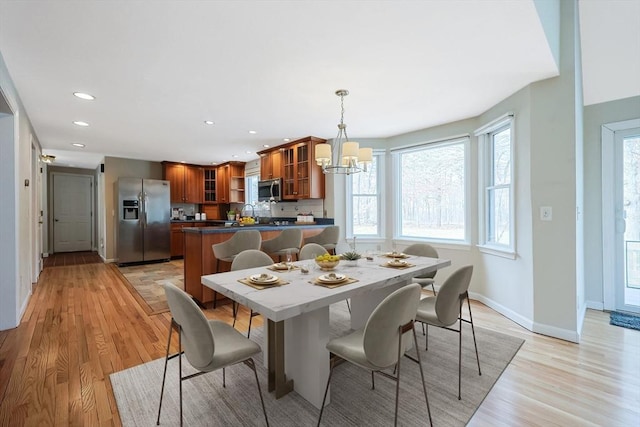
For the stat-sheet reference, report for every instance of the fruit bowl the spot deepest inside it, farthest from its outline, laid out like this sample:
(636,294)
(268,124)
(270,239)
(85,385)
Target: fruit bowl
(327,264)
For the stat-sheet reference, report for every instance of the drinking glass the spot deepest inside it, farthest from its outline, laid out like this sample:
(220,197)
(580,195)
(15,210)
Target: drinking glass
(289,260)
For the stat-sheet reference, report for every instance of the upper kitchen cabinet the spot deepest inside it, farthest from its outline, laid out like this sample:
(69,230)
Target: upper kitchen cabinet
(210,185)
(302,177)
(186,182)
(271,164)
(230,182)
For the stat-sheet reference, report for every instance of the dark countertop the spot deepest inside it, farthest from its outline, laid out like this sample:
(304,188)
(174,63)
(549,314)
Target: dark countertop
(221,222)
(261,227)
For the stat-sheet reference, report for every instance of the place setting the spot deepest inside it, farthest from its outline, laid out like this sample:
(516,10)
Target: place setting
(263,281)
(397,263)
(333,280)
(283,266)
(395,255)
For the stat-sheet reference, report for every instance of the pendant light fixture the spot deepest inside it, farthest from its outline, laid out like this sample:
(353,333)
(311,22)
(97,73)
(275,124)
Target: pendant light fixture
(342,156)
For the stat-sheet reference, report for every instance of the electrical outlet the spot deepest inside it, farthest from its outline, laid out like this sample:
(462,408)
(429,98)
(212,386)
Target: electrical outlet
(546,213)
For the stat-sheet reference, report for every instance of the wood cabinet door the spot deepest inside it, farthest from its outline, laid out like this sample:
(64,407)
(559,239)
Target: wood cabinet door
(193,180)
(209,185)
(303,168)
(222,184)
(266,171)
(174,173)
(289,173)
(276,164)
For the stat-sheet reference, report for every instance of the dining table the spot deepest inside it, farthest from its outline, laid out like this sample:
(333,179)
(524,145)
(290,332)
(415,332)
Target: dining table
(296,308)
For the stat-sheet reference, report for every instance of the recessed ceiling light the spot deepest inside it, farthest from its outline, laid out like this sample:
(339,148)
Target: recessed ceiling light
(208,122)
(80,123)
(183,161)
(286,140)
(252,132)
(77,144)
(266,146)
(249,152)
(84,96)
(214,163)
(235,156)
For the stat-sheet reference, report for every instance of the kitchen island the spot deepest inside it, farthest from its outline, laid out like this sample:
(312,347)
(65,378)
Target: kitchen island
(200,261)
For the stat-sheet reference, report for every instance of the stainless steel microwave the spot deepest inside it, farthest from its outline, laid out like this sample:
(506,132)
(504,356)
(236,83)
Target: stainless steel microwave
(270,190)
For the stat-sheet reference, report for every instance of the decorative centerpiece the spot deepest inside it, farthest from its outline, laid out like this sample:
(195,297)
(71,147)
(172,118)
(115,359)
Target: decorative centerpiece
(231,215)
(327,262)
(351,258)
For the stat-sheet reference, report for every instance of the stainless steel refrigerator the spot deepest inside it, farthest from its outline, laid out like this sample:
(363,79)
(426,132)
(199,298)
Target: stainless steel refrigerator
(143,227)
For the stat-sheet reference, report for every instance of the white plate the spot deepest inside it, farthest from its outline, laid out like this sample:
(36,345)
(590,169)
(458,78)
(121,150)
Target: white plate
(396,255)
(263,279)
(281,266)
(332,278)
(397,263)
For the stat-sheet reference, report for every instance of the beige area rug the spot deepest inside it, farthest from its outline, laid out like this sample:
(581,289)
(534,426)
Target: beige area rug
(145,282)
(353,403)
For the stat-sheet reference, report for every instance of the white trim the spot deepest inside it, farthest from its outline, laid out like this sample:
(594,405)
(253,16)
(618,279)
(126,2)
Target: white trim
(438,244)
(608,217)
(594,305)
(494,124)
(493,250)
(24,306)
(381,159)
(552,331)
(407,147)
(507,312)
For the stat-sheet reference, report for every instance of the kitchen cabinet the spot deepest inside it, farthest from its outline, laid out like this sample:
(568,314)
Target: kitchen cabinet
(271,164)
(209,185)
(186,182)
(302,177)
(177,237)
(230,183)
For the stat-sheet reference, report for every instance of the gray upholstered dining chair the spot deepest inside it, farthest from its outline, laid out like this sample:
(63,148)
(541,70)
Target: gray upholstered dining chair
(381,343)
(327,238)
(208,345)
(250,258)
(445,309)
(423,249)
(311,250)
(228,250)
(289,240)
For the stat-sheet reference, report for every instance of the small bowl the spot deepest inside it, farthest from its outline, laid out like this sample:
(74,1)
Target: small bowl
(327,265)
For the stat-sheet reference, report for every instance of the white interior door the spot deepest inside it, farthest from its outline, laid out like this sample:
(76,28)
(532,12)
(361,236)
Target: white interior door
(72,213)
(627,219)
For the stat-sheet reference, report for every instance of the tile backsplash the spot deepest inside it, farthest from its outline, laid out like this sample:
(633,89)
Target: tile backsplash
(292,209)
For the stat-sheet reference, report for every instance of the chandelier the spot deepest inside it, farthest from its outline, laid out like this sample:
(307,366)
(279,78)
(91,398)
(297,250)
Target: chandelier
(342,156)
(47,158)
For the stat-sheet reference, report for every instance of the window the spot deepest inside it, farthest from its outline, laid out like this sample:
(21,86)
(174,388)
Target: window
(251,189)
(364,200)
(496,168)
(431,191)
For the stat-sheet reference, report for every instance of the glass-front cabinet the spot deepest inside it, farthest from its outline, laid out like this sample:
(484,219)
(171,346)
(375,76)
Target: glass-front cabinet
(302,177)
(210,185)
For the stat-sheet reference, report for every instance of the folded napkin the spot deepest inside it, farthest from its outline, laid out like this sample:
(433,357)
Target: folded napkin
(260,287)
(348,281)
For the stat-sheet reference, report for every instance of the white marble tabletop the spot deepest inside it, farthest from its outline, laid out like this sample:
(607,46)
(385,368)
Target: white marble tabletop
(300,296)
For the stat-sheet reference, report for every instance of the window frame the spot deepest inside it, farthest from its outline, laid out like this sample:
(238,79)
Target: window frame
(380,156)
(397,190)
(485,184)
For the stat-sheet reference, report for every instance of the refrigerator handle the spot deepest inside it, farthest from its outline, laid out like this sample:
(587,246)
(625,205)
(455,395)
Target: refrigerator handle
(144,224)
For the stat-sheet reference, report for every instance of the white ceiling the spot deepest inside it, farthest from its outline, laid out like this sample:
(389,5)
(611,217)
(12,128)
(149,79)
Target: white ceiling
(159,69)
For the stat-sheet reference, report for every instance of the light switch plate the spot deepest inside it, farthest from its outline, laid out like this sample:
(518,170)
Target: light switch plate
(546,213)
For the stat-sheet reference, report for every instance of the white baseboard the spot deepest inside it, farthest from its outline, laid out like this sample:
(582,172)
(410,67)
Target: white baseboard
(507,312)
(552,331)
(45,255)
(595,305)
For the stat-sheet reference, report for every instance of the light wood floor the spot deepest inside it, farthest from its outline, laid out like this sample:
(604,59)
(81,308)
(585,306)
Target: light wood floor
(82,324)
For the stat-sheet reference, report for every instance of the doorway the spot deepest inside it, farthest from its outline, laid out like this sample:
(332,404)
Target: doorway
(621,215)
(72,213)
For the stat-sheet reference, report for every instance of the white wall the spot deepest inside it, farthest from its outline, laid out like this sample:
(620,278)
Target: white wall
(15,239)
